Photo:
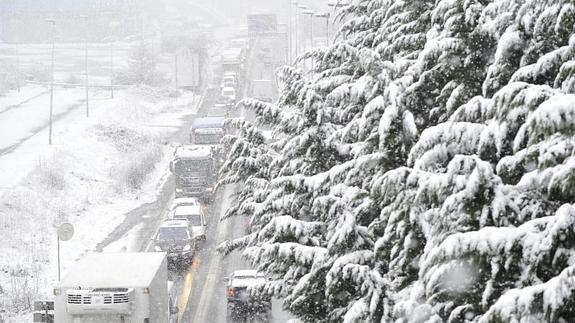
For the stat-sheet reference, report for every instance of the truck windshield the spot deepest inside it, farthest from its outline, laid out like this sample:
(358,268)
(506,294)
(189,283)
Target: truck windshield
(175,233)
(195,220)
(207,139)
(193,166)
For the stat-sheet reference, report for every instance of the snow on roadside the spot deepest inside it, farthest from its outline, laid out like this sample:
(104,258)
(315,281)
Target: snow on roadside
(15,97)
(100,169)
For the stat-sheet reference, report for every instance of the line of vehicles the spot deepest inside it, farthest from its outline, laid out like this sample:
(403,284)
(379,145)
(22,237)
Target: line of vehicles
(134,287)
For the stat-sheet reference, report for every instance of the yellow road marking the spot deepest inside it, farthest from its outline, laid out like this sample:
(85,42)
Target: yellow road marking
(187,288)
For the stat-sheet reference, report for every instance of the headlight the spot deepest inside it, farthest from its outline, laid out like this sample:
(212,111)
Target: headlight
(158,248)
(187,247)
(178,190)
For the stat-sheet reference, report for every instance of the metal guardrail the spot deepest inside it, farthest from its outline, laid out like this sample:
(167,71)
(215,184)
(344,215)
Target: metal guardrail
(60,84)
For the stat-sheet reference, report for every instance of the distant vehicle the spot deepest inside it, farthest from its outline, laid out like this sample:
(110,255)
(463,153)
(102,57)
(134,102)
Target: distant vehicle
(229,93)
(232,59)
(175,239)
(231,75)
(194,215)
(230,79)
(194,168)
(208,131)
(184,201)
(115,287)
(227,84)
(242,306)
(262,90)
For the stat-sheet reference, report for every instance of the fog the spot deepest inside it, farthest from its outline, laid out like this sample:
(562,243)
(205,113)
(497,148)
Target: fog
(23,21)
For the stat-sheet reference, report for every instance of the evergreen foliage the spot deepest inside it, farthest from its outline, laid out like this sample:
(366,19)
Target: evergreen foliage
(424,171)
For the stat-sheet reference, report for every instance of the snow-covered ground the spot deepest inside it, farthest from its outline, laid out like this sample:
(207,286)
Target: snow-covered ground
(97,170)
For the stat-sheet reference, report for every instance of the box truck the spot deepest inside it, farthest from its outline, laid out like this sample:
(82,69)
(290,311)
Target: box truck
(115,287)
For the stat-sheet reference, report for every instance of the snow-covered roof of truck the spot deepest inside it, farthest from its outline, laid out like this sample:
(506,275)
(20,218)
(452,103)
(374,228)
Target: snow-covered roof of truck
(246,278)
(187,210)
(208,122)
(193,152)
(108,270)
(210,131)
(185,201)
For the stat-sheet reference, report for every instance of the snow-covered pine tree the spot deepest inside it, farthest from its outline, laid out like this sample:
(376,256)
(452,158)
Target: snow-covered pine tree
(530,138)
(449,131)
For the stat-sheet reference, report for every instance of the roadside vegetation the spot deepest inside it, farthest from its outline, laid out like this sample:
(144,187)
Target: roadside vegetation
(113,160)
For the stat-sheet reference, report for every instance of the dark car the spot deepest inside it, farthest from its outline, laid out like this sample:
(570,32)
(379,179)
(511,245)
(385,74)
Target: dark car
(243,306)
(175,239)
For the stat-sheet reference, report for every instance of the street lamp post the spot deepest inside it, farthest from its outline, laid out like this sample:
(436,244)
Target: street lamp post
(53,22)
(176,69)
(112,69)
(86,62)
(326,16)
(112,26)
(289,31)
(310,14)
(18,68)
(302,7)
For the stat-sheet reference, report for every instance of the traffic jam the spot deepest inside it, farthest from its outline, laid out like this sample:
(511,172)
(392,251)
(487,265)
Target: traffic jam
(195,166)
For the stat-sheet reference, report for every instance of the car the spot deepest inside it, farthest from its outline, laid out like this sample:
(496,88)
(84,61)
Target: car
(229,93)
(222,108)
(233,75)
(174,238)
(241,304)
(229,79)
(192,201)
(194,215)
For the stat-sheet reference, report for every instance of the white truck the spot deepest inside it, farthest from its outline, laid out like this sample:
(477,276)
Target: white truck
(115,287)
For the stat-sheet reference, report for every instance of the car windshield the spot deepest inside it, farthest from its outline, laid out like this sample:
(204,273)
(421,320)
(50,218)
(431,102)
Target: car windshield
(198,166)
(173,233)
(195,220)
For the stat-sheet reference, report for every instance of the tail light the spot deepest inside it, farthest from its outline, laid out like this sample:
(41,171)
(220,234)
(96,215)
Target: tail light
(231,292)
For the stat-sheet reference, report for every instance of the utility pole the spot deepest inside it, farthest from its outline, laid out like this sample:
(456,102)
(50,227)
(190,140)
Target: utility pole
(310,14)
(18,68)
(176,69)
(112,69)
(289,31)
(296,26)
(113,25)
(86,62)
(302,7)
(53,22)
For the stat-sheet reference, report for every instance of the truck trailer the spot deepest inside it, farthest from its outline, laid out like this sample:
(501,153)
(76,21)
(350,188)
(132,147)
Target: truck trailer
(115,287)
(194,171)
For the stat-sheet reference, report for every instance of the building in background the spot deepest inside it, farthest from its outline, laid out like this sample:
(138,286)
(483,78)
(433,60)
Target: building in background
(24,21)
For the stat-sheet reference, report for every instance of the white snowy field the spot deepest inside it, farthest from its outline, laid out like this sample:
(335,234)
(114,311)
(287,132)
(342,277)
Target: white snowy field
(97,170)
(69,59)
